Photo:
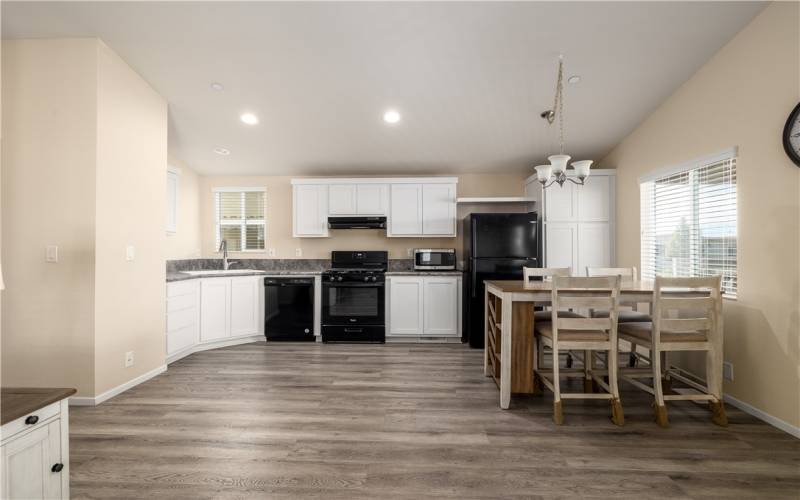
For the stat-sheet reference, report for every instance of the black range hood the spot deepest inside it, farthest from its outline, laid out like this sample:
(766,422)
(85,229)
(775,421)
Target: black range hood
(356,222)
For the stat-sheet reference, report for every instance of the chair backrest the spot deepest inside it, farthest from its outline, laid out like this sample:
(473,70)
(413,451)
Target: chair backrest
(628,274)
(544,272)
(694,305)
(599,292)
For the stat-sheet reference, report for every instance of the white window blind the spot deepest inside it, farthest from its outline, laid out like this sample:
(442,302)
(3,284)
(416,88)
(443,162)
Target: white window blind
(689,220)
(240,218)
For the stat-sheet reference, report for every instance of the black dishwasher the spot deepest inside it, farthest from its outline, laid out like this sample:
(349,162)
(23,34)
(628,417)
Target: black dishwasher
(289,309)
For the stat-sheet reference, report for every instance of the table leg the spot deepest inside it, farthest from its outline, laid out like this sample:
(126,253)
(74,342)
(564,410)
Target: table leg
(505,352)
(486,346)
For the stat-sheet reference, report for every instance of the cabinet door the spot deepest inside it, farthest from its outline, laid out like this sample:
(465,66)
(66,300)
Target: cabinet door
(594,199)
(561,239)
(439,209)
(215,302)
(440,302)
(27,463)
(594,245)
(405,216)
(371,199)
(561,203)
(310,210)
(172,202)
(244,305)
(405,306)
(342,199)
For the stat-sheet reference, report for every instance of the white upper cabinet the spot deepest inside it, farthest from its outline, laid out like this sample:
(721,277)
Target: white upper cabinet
(342,199)
(439,209)
(593,199)
(172,200)
(406,210)
(310,210)
(371,199)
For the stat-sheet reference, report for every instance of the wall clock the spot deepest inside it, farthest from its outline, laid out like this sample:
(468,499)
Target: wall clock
(791,135)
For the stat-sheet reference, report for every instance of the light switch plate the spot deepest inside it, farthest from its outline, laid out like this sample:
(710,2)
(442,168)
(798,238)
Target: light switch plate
(298,252)
(727,370)
(51,254)
(130,252)
(128,359)
(271,252)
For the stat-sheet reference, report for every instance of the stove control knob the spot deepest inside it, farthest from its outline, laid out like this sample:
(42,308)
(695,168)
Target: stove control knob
(374,278)
(339,278)
(366,278)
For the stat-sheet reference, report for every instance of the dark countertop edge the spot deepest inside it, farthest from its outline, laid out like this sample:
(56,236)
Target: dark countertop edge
(424,273)
(20,401)
(181,276)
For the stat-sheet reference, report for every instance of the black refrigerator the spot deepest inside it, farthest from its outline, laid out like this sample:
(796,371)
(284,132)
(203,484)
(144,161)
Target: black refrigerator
(496,247)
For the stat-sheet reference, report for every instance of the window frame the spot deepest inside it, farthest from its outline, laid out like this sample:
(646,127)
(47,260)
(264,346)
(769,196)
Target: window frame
(241,222)
(690,168)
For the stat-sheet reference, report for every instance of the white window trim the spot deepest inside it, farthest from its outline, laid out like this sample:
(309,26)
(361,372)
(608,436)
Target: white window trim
(239,222)
(726,154)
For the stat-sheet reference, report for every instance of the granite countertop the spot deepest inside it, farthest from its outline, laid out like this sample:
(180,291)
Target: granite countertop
(20,401)
(179,276)
(424,273)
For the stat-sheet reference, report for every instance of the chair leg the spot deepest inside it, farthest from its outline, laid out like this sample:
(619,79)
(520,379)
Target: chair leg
(660,408)
(569,360)
(632,359)
(537,348)
(714,380)
(617,415)
(588,362)
(718,415)
(558,413)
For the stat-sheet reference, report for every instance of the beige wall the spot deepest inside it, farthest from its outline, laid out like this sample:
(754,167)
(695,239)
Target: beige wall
(185,242)
(131,203)
(279,218)
(82,168)
(49,146)
(741,97)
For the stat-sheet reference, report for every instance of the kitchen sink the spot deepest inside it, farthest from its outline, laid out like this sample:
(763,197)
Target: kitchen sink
(220,272)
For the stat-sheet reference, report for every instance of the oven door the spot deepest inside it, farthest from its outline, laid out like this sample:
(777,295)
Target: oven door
(353,303)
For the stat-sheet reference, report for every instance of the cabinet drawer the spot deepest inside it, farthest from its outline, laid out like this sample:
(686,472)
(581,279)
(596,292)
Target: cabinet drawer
(177,288)
(182,338)
(181,302)
(181,319)
(16,426)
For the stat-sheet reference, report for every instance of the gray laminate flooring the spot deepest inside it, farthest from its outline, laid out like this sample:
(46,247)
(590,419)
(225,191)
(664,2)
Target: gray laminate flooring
(401,421)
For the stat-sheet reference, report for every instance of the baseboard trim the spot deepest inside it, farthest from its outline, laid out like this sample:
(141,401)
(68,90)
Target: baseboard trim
(422,339)
(96,400)
(762,415)
(249,339)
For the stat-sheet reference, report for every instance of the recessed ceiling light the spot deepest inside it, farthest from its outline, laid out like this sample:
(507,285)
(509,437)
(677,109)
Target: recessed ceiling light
(249,118)
(574,79)
(222,151)
(391,116)
(217,86)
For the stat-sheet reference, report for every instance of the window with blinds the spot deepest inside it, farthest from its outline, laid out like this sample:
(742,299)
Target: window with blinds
(689,220)
(240,218)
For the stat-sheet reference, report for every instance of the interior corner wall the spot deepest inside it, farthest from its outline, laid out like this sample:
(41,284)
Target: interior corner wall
(48,172)
(741,97)
(130,302)
(185,242)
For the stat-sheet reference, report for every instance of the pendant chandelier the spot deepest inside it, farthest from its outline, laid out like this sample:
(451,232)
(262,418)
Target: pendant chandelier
(554,173)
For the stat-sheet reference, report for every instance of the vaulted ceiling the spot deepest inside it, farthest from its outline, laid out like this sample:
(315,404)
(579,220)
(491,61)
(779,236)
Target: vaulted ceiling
(469,79)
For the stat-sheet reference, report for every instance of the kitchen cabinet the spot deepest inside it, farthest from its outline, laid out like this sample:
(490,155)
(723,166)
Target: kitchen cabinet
(405,213)
(172,200)
(215,302)
(579,222)
(183,315)
(438,210)
(424,306)
(357,199)
(310,210)
(35,456)
(244,305)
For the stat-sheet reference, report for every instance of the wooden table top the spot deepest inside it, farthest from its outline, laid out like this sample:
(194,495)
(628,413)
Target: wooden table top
(520,286)
(17,402)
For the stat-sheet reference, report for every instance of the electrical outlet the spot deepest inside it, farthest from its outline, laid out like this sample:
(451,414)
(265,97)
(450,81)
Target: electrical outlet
(271,252)
(130,252)
(298,252)
(410,252)
(727,370)
(128,359)
(51,255)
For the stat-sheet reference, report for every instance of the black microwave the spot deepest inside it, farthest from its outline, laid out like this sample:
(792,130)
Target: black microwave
(434,259)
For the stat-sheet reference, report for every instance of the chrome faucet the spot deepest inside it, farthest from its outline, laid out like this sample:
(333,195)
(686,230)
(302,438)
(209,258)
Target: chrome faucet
(223,247)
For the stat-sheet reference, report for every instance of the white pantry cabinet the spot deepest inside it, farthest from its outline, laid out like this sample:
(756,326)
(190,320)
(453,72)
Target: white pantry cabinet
(424,306)
(35,456)
(578,222)
(310,210)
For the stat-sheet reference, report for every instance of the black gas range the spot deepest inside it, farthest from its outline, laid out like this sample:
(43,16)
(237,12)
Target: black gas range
(354,297)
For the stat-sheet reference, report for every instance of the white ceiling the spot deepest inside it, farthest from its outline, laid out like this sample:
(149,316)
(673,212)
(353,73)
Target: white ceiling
(470,79)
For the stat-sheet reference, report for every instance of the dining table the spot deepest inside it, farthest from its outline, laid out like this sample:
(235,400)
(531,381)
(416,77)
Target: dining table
(509,346)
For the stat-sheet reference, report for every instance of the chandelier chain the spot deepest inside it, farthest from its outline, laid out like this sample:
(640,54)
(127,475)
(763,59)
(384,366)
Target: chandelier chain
(558,104)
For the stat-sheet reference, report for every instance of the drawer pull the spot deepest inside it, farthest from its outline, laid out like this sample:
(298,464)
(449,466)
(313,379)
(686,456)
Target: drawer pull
(57,467)
(31,420)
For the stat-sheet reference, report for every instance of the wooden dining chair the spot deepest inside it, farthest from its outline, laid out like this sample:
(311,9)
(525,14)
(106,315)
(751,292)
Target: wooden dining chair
(547,273)
(581,334)
(628,310)
(686,317)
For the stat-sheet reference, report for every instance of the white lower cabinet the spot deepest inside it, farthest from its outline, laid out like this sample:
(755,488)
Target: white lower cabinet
(35,456)
(183,315)
(424,306)
(215,309)
(244,305)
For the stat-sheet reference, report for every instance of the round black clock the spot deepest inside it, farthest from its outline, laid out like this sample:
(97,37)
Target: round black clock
(791,135)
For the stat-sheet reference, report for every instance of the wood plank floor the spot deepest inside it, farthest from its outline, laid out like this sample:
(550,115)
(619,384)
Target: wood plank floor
(401,421)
